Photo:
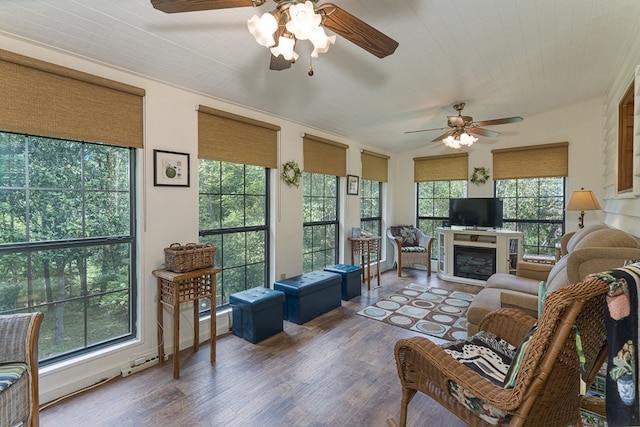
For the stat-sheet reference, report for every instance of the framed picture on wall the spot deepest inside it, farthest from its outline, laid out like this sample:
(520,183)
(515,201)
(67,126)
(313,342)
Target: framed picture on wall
(170,169)
(352,184)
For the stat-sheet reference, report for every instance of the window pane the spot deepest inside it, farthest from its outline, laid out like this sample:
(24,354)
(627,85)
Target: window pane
(534,206)
(433,203)
(75,191)
(320,221)
(13,216)
(12,160)
(234,217)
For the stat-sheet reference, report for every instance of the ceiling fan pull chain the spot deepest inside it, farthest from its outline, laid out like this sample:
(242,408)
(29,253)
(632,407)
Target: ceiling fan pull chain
(310,71)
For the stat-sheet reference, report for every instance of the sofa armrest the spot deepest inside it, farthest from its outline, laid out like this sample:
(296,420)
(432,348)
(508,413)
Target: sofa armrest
(533,270)
(524,302)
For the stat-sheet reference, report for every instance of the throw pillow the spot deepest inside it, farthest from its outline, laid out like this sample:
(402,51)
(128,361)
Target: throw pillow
(512,373)
(406,234)
(542,294)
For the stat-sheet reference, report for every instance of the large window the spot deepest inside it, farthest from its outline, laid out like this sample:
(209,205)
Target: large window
(234,215)
(371,206)
(320,227)
(67,240)
(433,203)
(534,206)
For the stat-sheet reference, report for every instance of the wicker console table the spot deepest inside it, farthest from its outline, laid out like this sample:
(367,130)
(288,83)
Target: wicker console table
(178,288)
(364,247)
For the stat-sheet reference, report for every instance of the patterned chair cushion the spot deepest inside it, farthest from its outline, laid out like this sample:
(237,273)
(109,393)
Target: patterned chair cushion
(10,373)
(416,249)
(491,357)
(406,233)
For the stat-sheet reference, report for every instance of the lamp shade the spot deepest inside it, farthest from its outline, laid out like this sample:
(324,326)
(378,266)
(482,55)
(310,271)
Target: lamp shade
(583,200)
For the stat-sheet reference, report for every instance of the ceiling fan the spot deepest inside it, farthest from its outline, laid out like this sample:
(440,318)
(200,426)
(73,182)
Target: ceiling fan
(459,126)
(294,20)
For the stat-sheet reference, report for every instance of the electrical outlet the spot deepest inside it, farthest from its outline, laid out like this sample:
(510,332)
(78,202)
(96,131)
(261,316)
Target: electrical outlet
(138,365)
(283,276)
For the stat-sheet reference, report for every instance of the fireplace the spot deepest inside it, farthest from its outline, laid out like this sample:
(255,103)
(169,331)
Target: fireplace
(474,262)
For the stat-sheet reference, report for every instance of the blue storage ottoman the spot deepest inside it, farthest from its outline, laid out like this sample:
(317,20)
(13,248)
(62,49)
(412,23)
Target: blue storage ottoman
(257,313)
(309,295)
(350,287)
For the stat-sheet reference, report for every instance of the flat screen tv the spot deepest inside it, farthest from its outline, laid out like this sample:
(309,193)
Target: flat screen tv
(483,212)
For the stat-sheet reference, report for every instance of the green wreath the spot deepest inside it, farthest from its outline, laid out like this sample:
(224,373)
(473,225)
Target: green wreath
(480,175)
(291,173)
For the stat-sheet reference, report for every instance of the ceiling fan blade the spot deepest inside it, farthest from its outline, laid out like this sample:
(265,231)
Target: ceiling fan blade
(506,120)
(443,136)
(278,63)
(356,31)
(483,132)
(177,6)
(424,130)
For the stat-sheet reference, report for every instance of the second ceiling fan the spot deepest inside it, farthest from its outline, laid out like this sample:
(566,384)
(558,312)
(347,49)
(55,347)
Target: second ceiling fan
(458,125)
(294,20)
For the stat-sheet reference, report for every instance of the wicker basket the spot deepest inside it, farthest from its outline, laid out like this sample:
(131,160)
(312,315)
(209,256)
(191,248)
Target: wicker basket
(182,258)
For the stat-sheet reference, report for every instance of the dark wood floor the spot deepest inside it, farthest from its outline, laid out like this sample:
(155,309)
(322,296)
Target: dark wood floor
(336,370)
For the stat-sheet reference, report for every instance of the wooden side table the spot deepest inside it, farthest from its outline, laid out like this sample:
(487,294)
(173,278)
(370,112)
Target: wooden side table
(178,288)
(364,247)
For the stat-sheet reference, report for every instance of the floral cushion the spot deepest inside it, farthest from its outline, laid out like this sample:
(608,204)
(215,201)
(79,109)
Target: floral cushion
(406,234)
(490,356)
(488,413)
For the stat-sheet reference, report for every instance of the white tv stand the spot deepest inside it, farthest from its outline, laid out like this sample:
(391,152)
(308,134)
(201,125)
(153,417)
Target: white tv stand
(469,255)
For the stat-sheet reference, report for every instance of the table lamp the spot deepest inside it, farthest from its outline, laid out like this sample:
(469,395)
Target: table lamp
(583,200)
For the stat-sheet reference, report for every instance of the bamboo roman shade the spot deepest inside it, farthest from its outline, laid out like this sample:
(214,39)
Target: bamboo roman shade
(374,166)
(40,98)
(231,138)
(324,156)
(450,167)
(534,161)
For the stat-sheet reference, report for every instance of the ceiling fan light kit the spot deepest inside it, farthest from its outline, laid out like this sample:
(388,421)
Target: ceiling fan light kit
(294,20)
(460,128)
(457,141)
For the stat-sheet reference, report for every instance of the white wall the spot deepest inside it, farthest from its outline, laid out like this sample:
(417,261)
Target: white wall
(579,124)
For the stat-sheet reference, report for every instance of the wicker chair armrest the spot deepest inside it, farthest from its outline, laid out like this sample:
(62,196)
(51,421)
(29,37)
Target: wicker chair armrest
(394,240)
(424,240)
(420,362)
(510,324)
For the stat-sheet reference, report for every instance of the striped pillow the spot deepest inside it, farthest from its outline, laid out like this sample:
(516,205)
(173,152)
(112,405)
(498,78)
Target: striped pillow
(10,373)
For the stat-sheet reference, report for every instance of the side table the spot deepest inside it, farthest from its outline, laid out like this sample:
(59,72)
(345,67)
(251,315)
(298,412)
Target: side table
(178,288)
(364,247)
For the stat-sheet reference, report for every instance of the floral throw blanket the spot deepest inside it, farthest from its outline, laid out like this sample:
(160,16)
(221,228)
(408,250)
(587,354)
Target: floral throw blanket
(622,339)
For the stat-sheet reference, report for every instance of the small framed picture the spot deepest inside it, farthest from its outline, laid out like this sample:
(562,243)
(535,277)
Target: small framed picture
(170,169)
(353,183)
(356,231)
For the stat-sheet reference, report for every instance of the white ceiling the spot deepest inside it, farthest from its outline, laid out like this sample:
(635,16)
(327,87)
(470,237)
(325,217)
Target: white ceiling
(502,57)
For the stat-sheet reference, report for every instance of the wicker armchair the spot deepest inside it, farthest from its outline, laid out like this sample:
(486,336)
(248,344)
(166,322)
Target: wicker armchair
(19,401)
(547,387)
(410,246)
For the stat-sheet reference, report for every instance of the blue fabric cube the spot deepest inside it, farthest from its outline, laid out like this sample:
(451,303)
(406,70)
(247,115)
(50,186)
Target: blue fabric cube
(351,285)
(257,313)
(309,295)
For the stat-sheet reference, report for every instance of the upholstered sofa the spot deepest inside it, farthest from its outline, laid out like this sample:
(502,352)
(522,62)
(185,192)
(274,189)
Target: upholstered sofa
(590,250)
(410,246)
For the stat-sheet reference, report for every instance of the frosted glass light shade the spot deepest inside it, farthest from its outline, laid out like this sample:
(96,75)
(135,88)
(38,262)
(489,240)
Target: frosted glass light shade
(285,48)
(459,140)
(304,20)
(262,29)
(320,42)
